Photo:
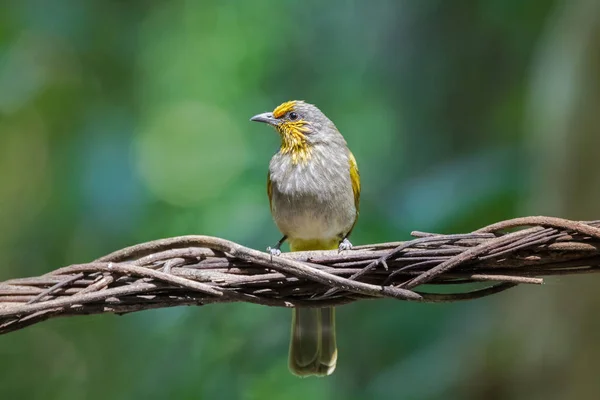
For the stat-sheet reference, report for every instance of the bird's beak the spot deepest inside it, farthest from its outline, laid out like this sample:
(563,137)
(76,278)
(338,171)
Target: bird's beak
(266,118)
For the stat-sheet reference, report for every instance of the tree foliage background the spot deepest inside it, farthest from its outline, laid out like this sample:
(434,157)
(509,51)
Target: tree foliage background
(122,122)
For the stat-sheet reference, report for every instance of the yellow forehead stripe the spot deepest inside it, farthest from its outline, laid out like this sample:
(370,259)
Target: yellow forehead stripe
(284,108)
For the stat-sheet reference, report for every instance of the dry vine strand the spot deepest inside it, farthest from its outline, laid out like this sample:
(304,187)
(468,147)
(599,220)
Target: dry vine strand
(201,270)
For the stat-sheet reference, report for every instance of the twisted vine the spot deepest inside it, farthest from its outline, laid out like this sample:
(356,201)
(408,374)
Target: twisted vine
(201,270)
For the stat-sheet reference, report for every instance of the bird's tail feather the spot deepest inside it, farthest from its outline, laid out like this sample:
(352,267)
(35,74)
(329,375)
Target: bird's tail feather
(313,349)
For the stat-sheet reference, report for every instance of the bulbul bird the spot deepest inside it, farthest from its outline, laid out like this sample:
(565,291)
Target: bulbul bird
(313,186)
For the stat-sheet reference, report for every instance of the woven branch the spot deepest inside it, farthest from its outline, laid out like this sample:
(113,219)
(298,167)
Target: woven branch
(200,270)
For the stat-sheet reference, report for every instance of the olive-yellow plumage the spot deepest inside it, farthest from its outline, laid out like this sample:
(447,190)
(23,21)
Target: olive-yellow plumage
(313,187)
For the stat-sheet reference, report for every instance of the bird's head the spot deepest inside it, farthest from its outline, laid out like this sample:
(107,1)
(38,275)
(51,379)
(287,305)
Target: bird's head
(301,126)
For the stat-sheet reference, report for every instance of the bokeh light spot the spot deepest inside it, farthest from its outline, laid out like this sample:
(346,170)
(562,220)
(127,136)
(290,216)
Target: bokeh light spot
(189,152)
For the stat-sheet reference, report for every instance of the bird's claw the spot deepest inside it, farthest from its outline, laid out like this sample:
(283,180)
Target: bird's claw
(273,251)
(344,245)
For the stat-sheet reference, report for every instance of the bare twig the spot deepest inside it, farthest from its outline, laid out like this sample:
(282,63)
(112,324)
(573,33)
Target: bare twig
(200,270)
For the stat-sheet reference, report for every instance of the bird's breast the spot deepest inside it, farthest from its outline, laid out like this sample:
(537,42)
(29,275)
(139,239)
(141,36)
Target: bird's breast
(312,201)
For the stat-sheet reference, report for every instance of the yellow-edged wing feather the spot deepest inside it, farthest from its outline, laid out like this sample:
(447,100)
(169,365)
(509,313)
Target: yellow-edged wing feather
(355,179)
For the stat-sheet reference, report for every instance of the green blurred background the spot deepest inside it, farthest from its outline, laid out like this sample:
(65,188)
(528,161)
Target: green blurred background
(124,121)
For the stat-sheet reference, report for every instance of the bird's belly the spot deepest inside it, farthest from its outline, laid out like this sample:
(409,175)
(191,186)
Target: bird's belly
(307,219)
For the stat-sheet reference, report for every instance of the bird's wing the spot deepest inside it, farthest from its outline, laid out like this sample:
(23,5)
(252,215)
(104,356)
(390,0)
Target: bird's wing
(270,190)
(355,179)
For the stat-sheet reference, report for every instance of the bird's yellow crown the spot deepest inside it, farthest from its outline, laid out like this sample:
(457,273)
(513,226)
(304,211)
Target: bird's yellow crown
(284,108)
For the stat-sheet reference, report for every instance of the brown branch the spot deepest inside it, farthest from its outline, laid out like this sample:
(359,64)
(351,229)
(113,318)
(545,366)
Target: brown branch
(200,270)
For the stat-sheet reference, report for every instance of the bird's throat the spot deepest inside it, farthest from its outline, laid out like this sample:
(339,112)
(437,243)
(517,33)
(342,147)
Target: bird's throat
(294,143)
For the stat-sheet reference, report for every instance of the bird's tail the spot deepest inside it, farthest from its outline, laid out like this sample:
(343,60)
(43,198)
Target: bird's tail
(313,350)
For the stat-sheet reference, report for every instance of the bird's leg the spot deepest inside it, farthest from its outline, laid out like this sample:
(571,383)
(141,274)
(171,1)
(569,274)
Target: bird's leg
(275,251)
(344,245)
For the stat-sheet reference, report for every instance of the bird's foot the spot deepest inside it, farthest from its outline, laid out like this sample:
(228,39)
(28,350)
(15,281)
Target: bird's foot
(344,245)
(274,251)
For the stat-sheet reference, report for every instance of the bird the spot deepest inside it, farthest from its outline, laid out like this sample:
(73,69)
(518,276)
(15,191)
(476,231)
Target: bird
(313,185)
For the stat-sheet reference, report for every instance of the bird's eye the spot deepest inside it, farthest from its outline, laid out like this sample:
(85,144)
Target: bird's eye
(293,116)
